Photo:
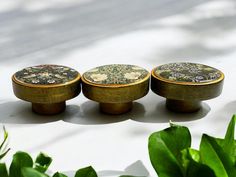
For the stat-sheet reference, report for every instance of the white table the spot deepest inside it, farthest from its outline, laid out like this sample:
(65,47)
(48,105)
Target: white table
(89,33)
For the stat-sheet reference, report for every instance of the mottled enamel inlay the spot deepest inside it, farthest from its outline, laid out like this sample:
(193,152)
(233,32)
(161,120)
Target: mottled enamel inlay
(116,74)
(188,72)
(46,75)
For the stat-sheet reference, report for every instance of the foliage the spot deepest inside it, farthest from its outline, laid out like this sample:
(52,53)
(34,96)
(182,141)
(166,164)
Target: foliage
(172,156)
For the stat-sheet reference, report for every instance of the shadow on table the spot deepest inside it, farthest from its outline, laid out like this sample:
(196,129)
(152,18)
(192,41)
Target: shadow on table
(19,112)
(88,113)
(161,114)
(136,169)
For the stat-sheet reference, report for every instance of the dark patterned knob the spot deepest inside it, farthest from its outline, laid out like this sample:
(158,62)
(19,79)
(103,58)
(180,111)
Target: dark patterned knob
(115,86)
(185,85)
(47,87)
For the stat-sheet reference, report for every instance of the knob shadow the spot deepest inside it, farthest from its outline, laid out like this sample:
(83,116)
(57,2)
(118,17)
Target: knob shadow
(160,114)
(89,114)
(20,112)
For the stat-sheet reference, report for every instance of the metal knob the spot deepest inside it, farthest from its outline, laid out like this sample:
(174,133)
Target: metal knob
(115,86)
(185,85)
(47,87)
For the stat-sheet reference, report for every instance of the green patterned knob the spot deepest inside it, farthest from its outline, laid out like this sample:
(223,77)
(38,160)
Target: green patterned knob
(47,87)
(185,85)
(115,86)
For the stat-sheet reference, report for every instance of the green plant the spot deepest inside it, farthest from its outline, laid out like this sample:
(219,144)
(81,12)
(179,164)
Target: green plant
(172,156)
(23,165)
(3,146)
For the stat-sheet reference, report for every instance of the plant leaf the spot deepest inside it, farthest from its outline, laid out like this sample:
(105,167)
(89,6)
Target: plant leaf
(5,138)
(30,172)
(4,154)
(213,155)
(42,162)
(3,170)
(193,167)
(228,144)
(20,160)
(165,150)
(2,146)
(86,172)
(57,174)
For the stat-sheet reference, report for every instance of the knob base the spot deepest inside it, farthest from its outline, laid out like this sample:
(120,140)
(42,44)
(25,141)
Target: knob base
(48,109)
(115,108)
(183,106)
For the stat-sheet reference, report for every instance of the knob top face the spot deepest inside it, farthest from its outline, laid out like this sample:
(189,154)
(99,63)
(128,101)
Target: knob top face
(46,75)
(116,74)
(188,73)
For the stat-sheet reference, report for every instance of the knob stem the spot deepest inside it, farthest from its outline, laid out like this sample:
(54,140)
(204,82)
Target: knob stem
(115,108)
(184,106)
(48,109)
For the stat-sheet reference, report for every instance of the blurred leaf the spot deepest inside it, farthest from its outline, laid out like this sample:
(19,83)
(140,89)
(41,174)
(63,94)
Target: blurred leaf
(57,174)
(86,172)
(30,172)
(20,160)
(2,146)
(3,170)
(42,162)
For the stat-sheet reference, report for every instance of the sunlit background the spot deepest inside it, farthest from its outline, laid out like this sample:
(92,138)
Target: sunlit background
(39,31)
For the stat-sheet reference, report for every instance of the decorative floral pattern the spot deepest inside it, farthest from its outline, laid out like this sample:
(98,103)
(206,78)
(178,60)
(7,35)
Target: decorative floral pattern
(98,77)
(187,72)
(116,74)
(46,74)
(132,75)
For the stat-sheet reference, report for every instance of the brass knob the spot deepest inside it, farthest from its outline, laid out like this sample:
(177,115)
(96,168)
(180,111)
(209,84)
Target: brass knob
(185,85)
(47,87)
(115,86)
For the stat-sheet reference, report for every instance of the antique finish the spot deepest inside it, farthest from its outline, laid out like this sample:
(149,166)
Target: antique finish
(185,85)
(115,86)
(47,87)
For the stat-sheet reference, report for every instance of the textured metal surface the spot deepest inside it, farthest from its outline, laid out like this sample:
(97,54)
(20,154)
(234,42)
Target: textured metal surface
(116,74)
(46,75)
(115,86)
(187,72)
(186,84)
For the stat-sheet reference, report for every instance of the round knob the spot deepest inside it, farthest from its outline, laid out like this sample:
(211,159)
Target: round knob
(115,86)
(47,87)
(185,85)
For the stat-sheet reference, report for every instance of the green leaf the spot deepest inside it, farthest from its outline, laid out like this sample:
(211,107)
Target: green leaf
(4,154)
(42,162)
(20,160)
(213,155)
(57,174)
(165,150)
(2,146)
(86,172)
(3,170)
(30,172)
(5,138)
(228,144)
(192,165)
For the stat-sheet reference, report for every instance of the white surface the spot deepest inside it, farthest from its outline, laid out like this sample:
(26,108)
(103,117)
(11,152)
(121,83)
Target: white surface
(85,34)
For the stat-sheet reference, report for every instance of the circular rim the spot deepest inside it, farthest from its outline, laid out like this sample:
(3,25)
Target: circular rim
(187,83)
(115,85)
(46,86)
